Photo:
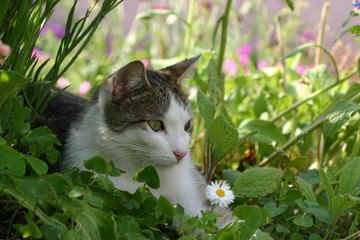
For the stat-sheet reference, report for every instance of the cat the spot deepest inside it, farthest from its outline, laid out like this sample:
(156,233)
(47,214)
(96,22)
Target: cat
(140,117)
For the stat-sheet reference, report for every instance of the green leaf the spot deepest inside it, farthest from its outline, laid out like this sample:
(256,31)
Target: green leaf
(290,3)
(98,164)
(206,108)
(314,208)
(30,230)
(16,125)
(300,164)
(311,176)
(257,182)
(90,223)
(39,166)
(223,136)
(40,140)
(319,76)
(353,29)
(303,221)
(337,115)
(315,236)
(274,210)
(149,176)
(230,176)
(262,236)
(56,181)
(328,188)
(37,187)
(15,163)
(253,215)
(214,82)
(10,84)
(164,207)
(306,190)
(299,49)
(268,132)
(281,229)
(349,176)
(341,203)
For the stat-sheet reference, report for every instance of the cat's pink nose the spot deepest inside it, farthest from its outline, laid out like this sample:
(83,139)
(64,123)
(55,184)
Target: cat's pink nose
(179,154)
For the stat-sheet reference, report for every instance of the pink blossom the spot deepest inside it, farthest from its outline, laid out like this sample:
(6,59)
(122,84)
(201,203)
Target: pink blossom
(146,62)
(243,54)
(62,82)
(84,87)
(301,69)
(56,28)
(307,36)
(230,66)
(36,52)
(160,7)
(261,64)
(205,5)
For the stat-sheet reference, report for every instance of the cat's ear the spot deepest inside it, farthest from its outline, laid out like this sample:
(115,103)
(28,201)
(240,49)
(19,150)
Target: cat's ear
(180,70)
(128,78)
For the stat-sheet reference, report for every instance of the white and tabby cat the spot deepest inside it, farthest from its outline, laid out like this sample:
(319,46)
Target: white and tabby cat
(140,117)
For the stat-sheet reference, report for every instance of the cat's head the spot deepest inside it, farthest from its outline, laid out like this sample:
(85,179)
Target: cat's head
(147,112)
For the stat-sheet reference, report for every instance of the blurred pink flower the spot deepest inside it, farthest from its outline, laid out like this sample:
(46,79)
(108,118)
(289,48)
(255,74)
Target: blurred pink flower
(56,28)
(36,52)
(207,5)
(84,87)
(230,66)
(62,82)
(243,54)
(261,64)
(301,69)
(146,62)
(307,36)
(160,7)
(5,51)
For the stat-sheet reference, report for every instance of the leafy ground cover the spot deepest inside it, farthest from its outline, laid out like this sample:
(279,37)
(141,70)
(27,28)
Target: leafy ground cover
(277,119)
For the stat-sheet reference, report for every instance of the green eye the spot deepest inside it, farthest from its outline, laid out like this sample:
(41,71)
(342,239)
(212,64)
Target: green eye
(188,126)
(156,125)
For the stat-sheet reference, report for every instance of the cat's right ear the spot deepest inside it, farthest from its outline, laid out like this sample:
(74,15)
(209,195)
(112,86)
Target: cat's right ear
(128,78)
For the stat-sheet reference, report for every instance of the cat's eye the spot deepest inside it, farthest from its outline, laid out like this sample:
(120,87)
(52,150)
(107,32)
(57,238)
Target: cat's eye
(188,126)
(156,125)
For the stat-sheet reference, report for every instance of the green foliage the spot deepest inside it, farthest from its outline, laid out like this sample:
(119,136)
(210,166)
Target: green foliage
(149,176)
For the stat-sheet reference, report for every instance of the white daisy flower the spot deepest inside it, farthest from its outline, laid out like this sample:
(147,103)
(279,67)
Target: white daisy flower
(219,193)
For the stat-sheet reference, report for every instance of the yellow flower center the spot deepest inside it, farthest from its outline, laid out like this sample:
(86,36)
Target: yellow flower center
(220,192)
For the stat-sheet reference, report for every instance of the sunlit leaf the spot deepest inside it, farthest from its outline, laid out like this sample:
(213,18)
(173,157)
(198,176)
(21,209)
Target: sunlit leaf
(149,176)
(267,131)
(98,164)
(30,230)
(349,176)
(10,84)
(257,182)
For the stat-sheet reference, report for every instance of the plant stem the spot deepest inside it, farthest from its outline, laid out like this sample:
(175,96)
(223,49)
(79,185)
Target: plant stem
(311,96)
(306,131)
(356,234)
(320,37)
(282,52)
(225,23)
(355,150)
(188,34)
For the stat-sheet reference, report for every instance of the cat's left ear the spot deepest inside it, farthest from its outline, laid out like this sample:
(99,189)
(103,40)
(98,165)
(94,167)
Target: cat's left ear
(180,70)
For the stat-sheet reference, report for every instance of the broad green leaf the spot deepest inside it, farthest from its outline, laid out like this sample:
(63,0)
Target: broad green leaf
(268,132)
(257,182)
(328,188)
(10,84)
(349,176)
(290,3)
(223,136)
(274,210)
(17,126)
(40,140)
(15,163)
(319,76)
(253,215)
(90,223)
(299,49)
(30,230)
(341,203)
(37,187)
(39,166)
(206,108)
(300,164)
(214,82)
(315,236)
(261,236)
(316,209)
(149,176)
(230,176)
(303,221)
(311,176)
(98,164)
(56,181)
(164,207)
(337,115)
(306,190)
(281,229)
